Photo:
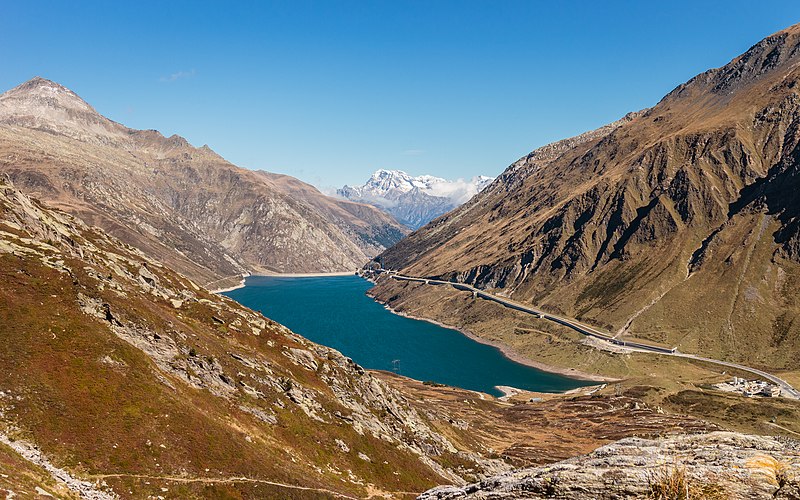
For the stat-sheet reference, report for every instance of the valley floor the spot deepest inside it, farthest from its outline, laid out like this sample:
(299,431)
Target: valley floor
(671,384)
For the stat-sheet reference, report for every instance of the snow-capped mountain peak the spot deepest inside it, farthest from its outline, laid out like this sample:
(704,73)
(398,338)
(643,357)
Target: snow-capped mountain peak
(482,181)
(384,182)
(414,200)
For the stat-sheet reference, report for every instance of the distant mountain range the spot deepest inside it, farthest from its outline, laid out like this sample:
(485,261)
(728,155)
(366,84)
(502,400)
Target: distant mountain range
(195,211)
(414,201)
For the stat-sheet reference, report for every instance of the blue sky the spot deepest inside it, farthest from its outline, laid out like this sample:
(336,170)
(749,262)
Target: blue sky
(330,91)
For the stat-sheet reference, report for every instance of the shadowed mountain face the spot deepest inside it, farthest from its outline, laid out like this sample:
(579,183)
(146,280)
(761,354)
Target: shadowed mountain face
(187,206)
(678,224)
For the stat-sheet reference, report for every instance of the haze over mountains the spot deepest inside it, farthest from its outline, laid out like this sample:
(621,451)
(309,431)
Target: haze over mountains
(414,201)
(187,206)
(677,225)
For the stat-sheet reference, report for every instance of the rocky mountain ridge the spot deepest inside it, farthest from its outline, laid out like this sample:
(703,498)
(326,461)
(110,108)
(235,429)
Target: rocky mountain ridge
(414,200)
(631,226)
(186,206)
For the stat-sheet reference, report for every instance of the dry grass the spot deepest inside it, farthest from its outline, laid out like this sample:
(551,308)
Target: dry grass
(672,482)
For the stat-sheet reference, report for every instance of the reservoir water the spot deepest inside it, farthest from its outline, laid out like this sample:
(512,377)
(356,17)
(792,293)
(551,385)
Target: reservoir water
(335,311)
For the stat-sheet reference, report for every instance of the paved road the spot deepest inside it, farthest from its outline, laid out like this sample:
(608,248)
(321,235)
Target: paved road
(786,389)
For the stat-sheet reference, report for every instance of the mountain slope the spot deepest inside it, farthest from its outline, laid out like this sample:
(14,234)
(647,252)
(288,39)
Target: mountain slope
(186,206)
(122,371)
(414,201)
(359,221)
(633,226)
(123,377)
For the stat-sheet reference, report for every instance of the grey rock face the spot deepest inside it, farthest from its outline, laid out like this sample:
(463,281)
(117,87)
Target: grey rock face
(716,465)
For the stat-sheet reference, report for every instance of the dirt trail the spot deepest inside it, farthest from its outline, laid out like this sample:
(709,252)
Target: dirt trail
(237,479)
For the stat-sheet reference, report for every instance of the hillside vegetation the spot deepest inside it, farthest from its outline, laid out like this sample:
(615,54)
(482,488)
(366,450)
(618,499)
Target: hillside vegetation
(677,225)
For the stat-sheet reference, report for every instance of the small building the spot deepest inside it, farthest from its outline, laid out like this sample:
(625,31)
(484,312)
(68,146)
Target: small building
(751,388)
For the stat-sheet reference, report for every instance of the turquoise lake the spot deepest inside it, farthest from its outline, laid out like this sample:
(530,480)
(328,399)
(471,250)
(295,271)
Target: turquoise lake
(334,311)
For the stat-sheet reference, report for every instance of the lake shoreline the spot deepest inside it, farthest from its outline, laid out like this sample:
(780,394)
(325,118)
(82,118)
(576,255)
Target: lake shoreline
(507,351)
(229,289)
(242,280)
(306,275)
(348,320)
(283,275)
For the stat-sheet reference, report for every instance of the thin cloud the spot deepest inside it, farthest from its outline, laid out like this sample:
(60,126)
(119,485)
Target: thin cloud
(177,76)
(414,152)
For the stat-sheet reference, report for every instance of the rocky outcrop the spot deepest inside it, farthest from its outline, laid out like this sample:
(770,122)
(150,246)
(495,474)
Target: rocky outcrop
(186,206)
(82,489)
(718,465)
